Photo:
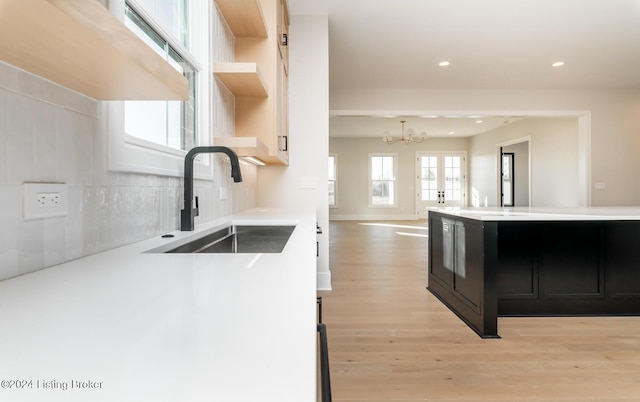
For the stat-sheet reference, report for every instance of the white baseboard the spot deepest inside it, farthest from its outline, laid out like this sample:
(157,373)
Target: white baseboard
(323,280)
(373,217)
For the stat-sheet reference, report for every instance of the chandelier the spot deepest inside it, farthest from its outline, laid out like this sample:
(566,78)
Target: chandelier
(410,137)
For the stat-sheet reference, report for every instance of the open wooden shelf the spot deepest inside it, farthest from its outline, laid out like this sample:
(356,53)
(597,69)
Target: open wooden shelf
(261,95)
(242,79)
(79,44)
(244,17)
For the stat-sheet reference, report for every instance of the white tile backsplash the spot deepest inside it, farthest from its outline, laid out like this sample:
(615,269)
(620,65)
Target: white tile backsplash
(10,77)
(74,233)
(19,138)
(54,93)
(54,241)
(45,162)
(10,218)
(31,241)
(67,169)
(3,135)
(5,70)
(30,87)
(84,134)
(76,102)
(51,134)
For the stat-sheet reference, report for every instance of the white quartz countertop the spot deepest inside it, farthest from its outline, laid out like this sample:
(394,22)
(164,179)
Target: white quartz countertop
(125,325)
(544,214)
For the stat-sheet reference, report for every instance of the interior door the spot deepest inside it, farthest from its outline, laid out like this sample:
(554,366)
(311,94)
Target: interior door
(441,180)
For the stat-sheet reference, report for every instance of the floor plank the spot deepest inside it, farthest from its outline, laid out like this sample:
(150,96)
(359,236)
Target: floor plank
(391,340)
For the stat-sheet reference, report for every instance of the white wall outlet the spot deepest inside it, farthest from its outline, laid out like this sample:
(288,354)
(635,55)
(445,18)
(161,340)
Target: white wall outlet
(47,200)
(223,193)
(44,200)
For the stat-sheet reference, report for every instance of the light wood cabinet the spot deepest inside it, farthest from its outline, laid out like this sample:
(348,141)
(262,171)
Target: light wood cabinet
(263,117)
(80,45)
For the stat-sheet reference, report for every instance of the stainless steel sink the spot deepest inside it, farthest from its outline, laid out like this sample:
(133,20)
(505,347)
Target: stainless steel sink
(239,239)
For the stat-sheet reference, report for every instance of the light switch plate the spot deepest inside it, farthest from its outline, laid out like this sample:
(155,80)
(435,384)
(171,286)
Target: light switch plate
(309,182)
(44,200)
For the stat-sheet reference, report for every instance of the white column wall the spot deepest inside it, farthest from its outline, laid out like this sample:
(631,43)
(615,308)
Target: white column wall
(309,133)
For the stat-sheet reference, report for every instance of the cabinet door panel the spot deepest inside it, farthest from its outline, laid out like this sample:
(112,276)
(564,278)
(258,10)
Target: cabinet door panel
(570,263)
(436,252)
(467,278)
(622,259)
(517,275)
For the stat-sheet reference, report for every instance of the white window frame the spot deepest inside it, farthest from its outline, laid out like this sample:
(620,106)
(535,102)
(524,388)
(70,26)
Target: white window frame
(335,181)
(394,179)
(128,153)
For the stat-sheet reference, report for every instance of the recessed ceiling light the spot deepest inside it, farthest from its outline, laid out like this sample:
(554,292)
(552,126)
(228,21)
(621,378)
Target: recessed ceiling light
(558,64)
(444,63)
(451,132)
(478,121)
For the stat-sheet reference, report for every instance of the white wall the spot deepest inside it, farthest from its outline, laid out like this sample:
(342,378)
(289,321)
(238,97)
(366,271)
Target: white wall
(51,134)
(353,175)
(608,155)
(309,132)
(554,161)
(554,150)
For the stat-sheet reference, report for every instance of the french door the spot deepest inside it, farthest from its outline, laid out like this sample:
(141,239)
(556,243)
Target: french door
(441,180)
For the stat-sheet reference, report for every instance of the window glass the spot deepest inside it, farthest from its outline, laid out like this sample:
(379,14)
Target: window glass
(383,180)
(171,15)
(170,123)
(332,180)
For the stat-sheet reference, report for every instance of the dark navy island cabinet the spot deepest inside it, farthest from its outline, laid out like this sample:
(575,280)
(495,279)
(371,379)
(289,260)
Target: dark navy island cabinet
(482,269)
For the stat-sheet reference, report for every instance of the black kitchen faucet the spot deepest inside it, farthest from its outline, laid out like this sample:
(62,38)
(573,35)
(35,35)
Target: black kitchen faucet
(188,214)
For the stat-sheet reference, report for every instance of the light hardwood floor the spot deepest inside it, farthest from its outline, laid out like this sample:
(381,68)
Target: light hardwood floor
(391,340)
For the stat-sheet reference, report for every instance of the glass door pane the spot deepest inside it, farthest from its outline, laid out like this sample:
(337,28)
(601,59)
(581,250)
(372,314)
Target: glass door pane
(429,178)
(453,178)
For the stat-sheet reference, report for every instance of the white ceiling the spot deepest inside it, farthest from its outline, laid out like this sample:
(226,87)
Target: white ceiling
(490,44)
(375,126)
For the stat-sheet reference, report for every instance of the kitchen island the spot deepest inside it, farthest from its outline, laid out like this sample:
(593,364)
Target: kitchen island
(132,325)
(490,262)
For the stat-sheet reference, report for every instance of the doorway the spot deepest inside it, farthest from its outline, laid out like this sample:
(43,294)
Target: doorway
(440,180)
(507,190)
(514,175)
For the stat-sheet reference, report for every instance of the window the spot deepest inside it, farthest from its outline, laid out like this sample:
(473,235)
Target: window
(152,136)
(172,15)
(170,123)
(382,184)
(332,180)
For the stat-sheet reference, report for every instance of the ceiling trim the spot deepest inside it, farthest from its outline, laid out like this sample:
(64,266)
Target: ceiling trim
(393,113)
